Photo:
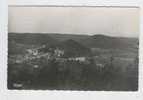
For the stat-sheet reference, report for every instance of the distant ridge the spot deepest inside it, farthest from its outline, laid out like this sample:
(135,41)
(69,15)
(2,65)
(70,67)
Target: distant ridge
(34,39)
(94,41)
(70,34)
(103,41)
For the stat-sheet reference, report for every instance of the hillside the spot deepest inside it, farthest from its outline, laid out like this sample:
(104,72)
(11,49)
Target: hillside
(72,62)
(31,39)
(73,48)
(95,41)
(100,41)
(18,43)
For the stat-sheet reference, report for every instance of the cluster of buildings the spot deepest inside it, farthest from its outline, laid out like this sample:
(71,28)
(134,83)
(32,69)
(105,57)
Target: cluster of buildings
(56,53)
(34,53)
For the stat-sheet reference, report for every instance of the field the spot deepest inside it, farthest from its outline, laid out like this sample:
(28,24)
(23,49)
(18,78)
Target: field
(72,62)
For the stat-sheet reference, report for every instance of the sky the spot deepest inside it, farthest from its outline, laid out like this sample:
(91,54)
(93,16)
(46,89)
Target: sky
(122,22)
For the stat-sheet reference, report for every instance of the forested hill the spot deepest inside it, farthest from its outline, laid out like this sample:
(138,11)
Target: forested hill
(95,41)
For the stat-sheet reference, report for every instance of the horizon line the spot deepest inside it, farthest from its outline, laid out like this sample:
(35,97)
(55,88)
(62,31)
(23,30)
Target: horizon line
(76,34)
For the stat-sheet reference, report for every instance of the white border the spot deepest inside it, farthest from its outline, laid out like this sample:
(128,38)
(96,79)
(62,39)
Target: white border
(77,2)
(62,95)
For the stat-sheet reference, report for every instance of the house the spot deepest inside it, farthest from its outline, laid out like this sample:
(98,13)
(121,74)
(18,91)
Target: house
(32,51)
(81,59)
(19,59)
(58,52)
(100,65)
(35,66)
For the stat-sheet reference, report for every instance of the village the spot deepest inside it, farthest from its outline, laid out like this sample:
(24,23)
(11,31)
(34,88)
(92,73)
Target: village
(34,53)
(57,54)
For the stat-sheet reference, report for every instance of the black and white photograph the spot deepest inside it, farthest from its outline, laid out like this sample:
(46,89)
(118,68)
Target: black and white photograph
(73,48)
